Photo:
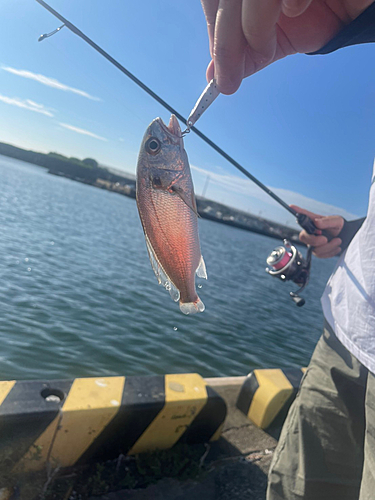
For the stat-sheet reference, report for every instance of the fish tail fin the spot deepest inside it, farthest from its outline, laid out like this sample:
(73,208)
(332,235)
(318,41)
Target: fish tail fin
(192,307)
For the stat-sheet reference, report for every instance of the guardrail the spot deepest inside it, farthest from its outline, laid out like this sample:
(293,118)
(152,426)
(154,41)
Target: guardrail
(66,422)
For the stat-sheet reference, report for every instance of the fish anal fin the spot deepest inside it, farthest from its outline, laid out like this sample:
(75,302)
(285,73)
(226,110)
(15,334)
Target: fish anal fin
(160,273)
(173,291)
(201,269)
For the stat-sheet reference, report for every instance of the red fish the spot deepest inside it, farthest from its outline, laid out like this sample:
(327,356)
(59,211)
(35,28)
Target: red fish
(168,212)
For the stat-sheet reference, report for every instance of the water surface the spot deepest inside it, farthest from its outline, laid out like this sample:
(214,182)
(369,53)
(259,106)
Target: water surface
(78,296)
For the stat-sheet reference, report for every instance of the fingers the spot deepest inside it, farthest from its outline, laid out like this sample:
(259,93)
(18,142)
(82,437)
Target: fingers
(329,250)
(312,240)
(294,8)
(242,36)
(322,248)
(210,10)
(332,223)
(229,46)
(300,210)
(259,18)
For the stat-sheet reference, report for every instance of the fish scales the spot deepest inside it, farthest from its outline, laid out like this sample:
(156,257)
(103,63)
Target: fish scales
(171,229)
(166,205)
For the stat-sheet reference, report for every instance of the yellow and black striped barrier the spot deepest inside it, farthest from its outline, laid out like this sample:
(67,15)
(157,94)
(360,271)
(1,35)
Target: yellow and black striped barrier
(266,394)
(62,423)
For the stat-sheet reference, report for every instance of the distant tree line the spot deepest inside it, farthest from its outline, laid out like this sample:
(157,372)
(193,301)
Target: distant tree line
(86,170)
(89,171)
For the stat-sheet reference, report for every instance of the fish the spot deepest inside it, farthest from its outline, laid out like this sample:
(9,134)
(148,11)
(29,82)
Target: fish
(168,212)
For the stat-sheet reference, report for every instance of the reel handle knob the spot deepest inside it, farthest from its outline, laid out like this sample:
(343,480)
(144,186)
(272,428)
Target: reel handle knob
(299,301)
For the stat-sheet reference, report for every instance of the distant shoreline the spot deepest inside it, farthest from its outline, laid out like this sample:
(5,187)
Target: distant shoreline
(89,172)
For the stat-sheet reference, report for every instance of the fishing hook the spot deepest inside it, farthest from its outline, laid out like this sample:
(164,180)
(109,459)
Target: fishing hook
(46,35)
(187,130)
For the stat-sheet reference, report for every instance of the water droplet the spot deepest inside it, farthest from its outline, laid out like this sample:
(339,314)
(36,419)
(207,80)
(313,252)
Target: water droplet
(52,242)
(26,260)
(17,261)
(29,269)
(175,328)
(200,286)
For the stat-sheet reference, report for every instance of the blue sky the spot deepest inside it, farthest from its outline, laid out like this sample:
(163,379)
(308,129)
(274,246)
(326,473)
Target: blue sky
(304,126)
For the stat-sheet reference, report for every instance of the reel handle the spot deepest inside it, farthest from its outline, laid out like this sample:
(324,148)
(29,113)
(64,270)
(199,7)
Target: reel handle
(308,225)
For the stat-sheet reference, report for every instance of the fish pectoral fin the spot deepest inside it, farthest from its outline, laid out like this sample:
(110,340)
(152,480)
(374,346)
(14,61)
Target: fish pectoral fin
(188,200)
(194,203)
(160,274)
(201,269)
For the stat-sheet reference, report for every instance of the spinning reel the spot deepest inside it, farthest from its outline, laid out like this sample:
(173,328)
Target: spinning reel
(288,264)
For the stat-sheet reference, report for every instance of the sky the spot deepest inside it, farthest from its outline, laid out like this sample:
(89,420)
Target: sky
(304,126)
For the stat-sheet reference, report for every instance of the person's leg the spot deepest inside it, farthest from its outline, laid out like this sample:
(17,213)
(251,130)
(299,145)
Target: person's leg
(368,477)
(320,452)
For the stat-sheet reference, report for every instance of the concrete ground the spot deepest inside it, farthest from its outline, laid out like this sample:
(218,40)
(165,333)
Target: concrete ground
(236,464)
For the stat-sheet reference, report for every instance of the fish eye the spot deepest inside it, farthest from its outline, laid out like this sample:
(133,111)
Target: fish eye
(153,146)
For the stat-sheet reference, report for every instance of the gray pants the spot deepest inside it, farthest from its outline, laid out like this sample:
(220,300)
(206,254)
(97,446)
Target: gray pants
(326,449)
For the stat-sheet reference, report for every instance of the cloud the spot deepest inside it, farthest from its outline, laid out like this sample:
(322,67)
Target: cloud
(26,104)
(242,186)
(82,131)
(50,82)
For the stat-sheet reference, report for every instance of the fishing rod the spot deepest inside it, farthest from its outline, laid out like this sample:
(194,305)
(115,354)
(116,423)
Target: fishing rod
(286,262)
(303,220)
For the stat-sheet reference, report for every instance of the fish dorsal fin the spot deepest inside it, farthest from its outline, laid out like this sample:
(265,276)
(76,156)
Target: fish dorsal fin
(160,274)
(201,269)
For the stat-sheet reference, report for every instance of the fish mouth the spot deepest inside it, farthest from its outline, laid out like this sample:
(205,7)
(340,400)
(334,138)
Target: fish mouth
(173,126)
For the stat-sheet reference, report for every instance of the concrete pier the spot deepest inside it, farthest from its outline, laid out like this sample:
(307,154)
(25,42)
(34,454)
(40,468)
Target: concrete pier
(236,464)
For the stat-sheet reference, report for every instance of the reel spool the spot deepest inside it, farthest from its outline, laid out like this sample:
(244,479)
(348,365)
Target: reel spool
(288,264)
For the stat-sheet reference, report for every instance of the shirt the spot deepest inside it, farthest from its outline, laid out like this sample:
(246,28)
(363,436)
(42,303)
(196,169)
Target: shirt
(349,298)
(361,30)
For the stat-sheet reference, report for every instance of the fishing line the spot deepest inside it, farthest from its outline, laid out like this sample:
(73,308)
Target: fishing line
(303,220)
